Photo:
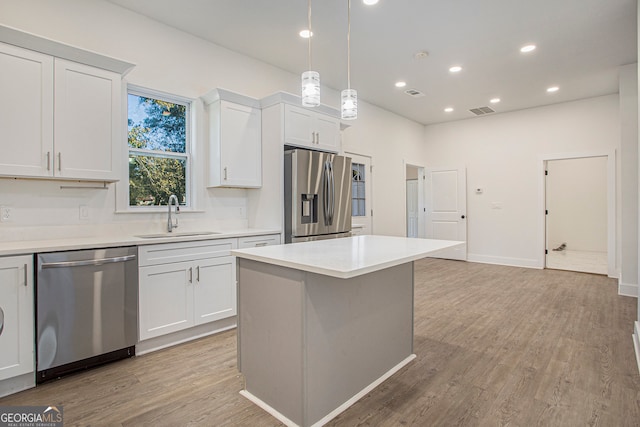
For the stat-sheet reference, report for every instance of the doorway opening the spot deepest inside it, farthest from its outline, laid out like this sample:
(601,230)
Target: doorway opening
(413,200)
(576,214)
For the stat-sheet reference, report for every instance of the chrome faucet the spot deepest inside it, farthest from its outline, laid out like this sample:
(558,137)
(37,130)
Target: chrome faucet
(170,224)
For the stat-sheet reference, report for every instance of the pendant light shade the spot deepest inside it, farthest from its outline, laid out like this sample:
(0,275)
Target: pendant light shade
(310,79)
(349,97)
(310,89)
(349,104)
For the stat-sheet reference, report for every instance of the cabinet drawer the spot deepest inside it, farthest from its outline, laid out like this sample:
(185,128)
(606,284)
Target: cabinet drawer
(256,241)
(164,253)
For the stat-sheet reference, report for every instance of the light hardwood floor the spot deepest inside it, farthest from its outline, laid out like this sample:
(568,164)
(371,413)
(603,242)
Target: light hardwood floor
(495,346)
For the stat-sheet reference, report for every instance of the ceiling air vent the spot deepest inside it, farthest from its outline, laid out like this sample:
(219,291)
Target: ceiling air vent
(480,111)
(414,93)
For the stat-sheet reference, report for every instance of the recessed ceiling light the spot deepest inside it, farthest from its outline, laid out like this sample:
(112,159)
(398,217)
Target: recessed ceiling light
(553,89)
(305,34)
(528,48)
(455,69)
(494,100)
(369,2)
(401,84)
(448,110)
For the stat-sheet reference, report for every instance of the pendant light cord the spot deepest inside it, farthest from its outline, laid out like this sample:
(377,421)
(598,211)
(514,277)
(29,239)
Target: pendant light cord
(349,44)
(310,33)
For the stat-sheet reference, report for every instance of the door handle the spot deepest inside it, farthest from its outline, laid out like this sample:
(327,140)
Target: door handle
(26,277)
(197,273)
(48,160)
(1,320)
(225,173)
(190,274)
(59,161)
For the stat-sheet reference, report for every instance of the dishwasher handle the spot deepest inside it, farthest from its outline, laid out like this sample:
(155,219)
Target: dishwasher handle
(82,263)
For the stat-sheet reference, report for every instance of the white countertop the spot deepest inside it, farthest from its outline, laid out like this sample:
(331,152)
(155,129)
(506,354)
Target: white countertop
(346,257)
(21,247)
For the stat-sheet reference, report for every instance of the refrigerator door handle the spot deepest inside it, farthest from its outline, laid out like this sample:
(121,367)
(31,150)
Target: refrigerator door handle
(326,195)
(332,201)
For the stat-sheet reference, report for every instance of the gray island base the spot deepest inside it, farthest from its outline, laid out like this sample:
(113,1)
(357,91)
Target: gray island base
(311,343)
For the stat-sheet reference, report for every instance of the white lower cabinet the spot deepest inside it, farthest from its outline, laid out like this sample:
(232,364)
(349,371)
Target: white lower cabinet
(176,294)
(16,317)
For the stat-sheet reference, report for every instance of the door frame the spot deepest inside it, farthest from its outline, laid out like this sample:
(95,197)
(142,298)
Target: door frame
(422,227)
(612,268)
(370,180)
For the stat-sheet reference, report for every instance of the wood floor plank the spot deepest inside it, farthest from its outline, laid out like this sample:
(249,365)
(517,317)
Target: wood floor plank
(495,345)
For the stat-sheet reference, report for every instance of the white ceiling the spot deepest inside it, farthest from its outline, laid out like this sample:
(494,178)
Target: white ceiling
(581,44)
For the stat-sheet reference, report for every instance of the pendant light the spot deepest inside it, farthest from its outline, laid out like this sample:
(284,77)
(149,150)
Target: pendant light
(349,97)
(310,79)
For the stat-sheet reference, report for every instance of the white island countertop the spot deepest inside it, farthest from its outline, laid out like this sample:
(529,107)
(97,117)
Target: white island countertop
(347,257)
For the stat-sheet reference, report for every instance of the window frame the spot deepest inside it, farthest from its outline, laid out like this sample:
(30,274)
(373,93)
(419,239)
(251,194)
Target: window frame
(354,197)
(123,186)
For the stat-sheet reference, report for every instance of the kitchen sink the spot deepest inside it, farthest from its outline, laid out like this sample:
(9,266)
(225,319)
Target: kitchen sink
(183,234)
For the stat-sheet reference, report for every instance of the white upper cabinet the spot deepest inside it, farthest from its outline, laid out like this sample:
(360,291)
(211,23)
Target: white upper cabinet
(26,112)
(235,140)
(87,122)
(59,118)
(307,128)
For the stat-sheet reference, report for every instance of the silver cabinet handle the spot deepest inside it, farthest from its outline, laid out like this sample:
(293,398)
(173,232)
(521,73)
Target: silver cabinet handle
(225,173)
(26,277)
(48,160)
(190,274)
(317,137)
(59,161)
(1,320)
(261,244)
(197,273)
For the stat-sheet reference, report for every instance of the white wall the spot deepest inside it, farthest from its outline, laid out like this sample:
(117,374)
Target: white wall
(628,188)
(175,62)
(502,154)
(392,142)
(576,198)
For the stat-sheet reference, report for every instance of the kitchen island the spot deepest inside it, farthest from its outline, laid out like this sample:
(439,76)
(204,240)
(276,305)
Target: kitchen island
(320,324)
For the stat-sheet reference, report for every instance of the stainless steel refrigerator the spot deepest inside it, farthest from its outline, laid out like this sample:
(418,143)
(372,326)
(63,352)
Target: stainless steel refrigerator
(317,195)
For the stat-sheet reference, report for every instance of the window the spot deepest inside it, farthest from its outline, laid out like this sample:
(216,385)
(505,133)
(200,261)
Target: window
(159,149)
(358,202)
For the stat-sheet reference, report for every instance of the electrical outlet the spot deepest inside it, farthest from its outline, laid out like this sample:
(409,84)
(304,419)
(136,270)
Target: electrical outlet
(5,213)
(83,212)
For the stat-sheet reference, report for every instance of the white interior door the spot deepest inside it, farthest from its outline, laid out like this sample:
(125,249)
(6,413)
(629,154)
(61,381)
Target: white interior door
(446,206)
(412,208)
(361,190)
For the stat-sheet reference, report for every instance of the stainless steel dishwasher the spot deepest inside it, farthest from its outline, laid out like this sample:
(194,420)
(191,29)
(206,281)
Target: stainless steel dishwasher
(86,309)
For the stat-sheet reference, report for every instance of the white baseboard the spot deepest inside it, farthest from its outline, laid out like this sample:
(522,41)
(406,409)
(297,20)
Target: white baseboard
(287,422)
(499,260)
(186,335)
(16,384)
(636,343)
(628,290)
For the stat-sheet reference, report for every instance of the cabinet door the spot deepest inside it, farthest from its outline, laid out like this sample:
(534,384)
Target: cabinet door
(240,146)
(328,132)
(16,316)
(215,289)
(166,299)
(298,126)
(26,112)
(87,122)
